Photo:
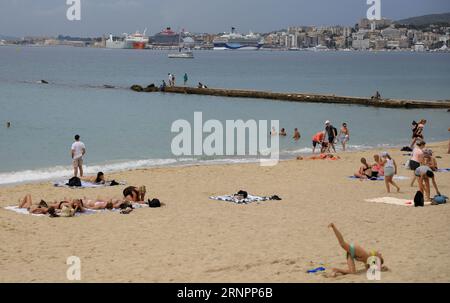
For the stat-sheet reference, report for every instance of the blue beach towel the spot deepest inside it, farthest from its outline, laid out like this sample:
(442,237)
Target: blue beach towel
(443,170)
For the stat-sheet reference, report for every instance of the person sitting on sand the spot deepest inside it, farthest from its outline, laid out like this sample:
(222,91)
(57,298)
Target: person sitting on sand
(297,135)
(424,174)
(134,194)
(318,139)
(283,132)
(354,253)
(390,169)
(365,170)
(429,160)
(378,166)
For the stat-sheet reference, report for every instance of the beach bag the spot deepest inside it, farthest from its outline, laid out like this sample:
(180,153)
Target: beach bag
(406,148)
(418,199)
(114,183)
(154,203)
(440,199)
(74,182)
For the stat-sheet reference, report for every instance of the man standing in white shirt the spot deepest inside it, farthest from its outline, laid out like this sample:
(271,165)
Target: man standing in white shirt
(78,151)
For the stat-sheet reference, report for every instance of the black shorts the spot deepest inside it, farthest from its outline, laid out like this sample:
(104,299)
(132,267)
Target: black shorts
(315,143)
(413,164)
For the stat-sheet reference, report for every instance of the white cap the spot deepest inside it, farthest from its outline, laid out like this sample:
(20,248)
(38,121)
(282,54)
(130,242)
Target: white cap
(327,122)
(384,154)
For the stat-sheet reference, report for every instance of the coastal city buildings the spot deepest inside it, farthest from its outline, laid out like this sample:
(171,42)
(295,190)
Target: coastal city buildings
(366,35)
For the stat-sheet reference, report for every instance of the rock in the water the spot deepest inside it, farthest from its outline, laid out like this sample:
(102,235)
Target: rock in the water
(137,88)
(108,86)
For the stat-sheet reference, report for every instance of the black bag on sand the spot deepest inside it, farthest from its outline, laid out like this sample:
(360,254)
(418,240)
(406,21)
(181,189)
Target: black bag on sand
(406,148)
(74,182)
(113,183)
(154,203)
(418,199)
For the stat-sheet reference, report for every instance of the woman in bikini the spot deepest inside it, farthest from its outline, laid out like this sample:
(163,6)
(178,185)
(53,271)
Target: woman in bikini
(354,253)
(365,171)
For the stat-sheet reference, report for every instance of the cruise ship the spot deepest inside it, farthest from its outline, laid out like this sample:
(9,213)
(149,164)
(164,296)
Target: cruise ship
(236,41)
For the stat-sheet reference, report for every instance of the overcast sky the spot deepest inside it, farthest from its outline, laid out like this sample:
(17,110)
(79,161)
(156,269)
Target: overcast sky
(98,17)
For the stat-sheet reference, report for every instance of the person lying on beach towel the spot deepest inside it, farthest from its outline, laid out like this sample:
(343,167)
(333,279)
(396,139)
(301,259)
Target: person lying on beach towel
(93,181)
(321,157)
(45,208)
(242,197)
(354,253)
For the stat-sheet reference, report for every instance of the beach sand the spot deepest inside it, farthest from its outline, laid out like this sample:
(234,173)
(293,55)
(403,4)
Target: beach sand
(195,239)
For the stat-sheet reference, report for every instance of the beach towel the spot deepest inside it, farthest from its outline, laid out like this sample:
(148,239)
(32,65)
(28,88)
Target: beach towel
(381,178)
(394,201)
(249,199)
(84,184)
(443,170)
(24,211)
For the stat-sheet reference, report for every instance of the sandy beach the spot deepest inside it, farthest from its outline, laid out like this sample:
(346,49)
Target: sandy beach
(195,239)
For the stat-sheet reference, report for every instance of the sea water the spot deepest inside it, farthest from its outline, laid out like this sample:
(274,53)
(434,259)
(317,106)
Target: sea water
(123,129)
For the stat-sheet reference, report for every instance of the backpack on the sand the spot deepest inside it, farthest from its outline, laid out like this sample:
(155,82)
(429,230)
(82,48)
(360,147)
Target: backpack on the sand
(154,203)
(418,199)
(74,182)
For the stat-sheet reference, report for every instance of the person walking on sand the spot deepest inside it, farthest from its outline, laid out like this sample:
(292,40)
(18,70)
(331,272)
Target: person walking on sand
(390,170)
(185,78)
(354,253)
(78,150)
(417,158)
(297,135)
(330,137)
(344,135)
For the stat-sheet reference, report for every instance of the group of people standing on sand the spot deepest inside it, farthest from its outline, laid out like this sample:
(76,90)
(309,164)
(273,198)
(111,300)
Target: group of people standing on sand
(329,137)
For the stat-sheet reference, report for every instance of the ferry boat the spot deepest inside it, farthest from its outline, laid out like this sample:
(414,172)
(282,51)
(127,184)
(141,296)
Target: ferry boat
(236,41)
(133,41)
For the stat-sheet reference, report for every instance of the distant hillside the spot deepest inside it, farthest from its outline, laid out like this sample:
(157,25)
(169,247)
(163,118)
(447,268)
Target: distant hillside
(8,38)
(426,19)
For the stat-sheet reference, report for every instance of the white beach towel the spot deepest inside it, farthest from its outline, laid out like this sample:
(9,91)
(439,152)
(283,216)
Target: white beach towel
(24,211)
(84,184)
(395,201)
(232,198)
(381,178)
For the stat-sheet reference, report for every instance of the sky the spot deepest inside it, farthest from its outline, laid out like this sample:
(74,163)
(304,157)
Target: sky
(98,17)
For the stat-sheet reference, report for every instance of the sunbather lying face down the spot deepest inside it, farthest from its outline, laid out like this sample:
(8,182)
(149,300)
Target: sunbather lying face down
(354,252)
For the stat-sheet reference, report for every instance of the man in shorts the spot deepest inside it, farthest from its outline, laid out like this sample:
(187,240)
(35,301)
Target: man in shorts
(78,150)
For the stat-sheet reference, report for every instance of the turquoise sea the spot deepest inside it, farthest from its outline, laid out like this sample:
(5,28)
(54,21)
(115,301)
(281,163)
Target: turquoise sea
(123,129)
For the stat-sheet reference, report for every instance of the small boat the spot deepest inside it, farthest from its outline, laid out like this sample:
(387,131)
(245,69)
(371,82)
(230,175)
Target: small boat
(182,55)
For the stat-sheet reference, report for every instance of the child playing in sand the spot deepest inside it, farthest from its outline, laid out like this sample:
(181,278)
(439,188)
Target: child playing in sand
(353,252)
